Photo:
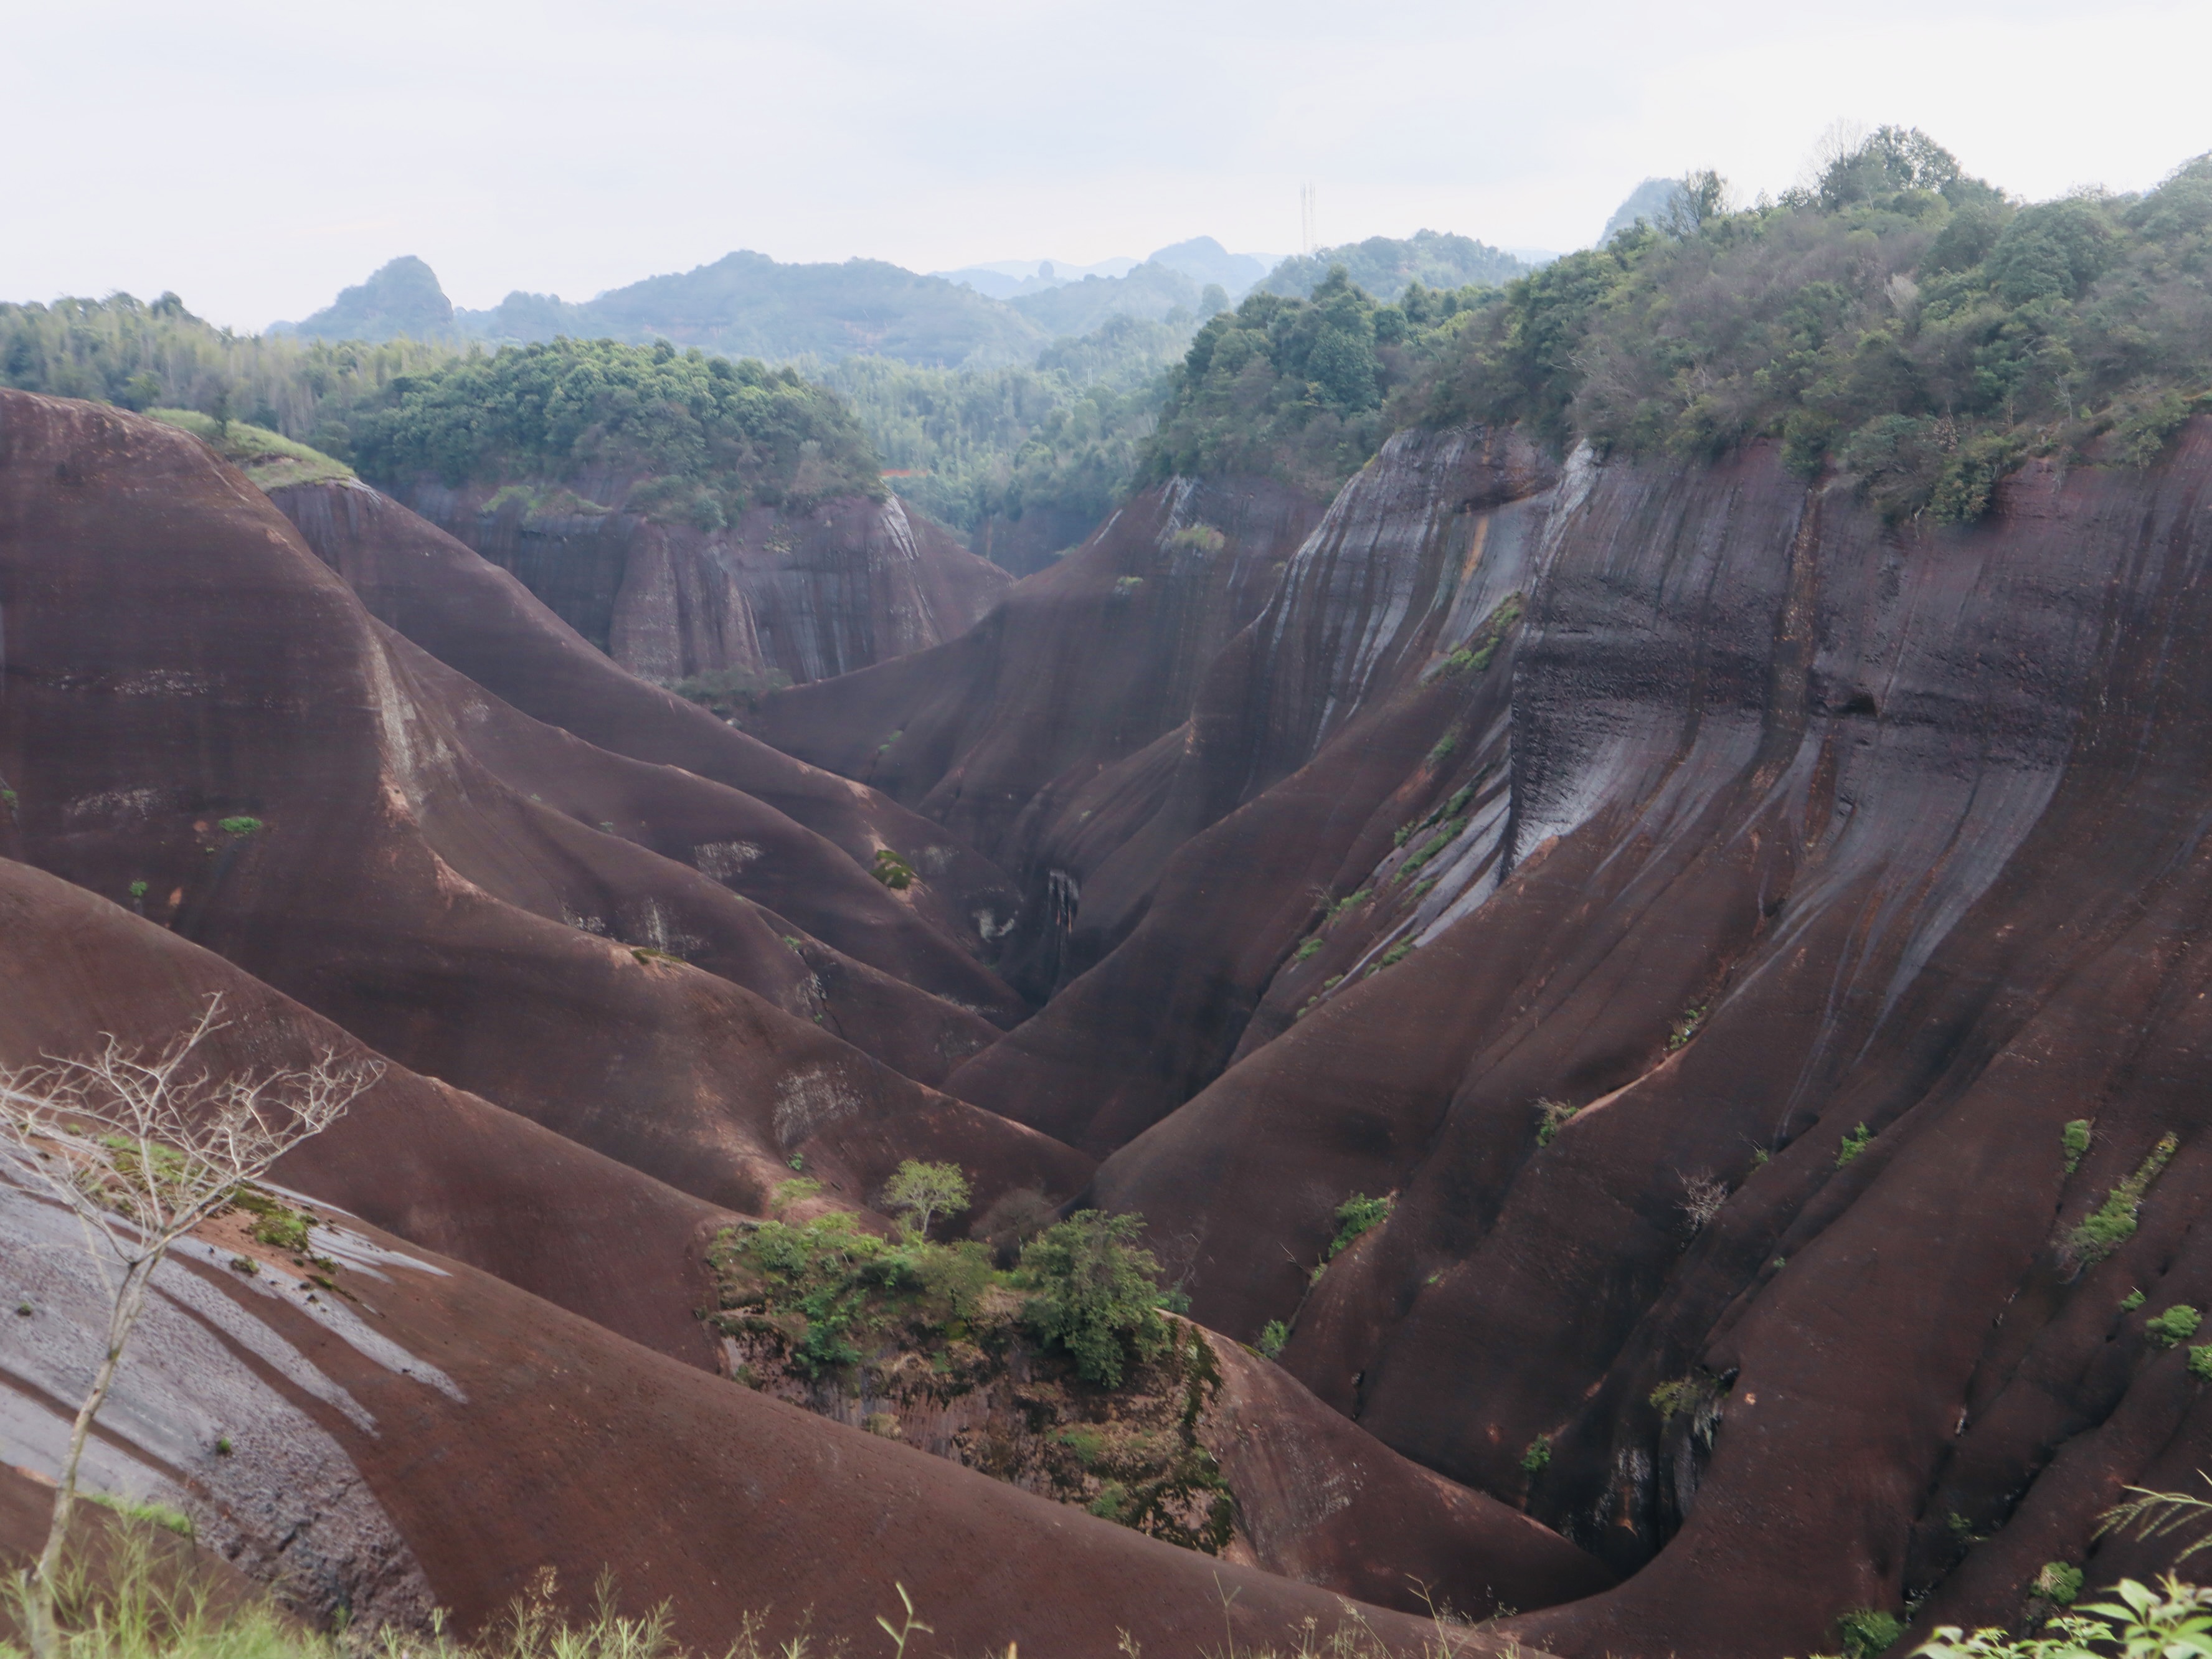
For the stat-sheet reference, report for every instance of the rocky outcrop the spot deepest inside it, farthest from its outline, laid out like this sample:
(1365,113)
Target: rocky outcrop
(801,595)
(1059,719)
(443,1169)
(479,620)
(1796,839)
(1205,1445)
(1704,907)
(389,1428)
(1371,689)
(423,1435)
(282,779)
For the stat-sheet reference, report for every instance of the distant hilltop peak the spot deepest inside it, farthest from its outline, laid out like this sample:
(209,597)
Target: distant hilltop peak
(1647,203)
(1205,260)
(1386,265)
(402,297)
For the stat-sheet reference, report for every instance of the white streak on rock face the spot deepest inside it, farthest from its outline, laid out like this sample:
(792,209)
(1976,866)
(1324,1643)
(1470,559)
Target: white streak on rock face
(725,859)
(326,1309)
(285,1502)
(111,806)
(349,1249)
(413,748)
(808,1102)
(165,682)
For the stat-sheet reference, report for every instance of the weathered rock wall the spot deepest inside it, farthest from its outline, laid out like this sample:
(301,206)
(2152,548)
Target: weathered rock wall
(1811,823)
(399,1431)
(809,595)
(1704,806)
(199,714)
(1180,907)
(1059,719)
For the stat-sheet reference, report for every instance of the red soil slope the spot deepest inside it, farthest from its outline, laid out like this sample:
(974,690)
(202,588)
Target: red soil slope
(1046,736)
(446,1169)
(479,620)
(178,661)
(1764,821)
(442,1169)
(426,1435)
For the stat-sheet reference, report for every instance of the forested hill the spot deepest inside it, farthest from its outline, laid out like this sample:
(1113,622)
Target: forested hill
(1385,267)
(1914,327)
(747,305)
(1911,328)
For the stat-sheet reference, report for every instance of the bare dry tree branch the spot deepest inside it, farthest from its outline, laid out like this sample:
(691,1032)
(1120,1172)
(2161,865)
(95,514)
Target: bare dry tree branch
(141,1152)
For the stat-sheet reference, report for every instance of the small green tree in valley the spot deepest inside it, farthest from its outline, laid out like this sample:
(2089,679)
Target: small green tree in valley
(918,1193)
(1098,1293)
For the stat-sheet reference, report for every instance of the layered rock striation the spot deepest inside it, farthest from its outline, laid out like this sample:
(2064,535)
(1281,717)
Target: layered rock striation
(632,972)
(1703,908)
(799,595)
(203,721)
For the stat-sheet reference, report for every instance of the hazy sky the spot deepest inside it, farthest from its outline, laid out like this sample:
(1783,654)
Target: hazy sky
(256,157)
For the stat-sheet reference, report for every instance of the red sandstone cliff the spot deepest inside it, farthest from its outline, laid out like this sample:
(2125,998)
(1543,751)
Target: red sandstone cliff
(808,595)
(625,995)
(1701,802)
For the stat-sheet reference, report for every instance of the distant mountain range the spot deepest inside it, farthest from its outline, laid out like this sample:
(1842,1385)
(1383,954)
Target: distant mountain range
(1201,259)
(748,305)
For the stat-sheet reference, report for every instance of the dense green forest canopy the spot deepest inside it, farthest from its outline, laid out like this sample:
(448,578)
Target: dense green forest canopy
(733,432)
(1900,320)
(140,356)
(1302,388)
(712,433)
(1067,434)
(1386,266)
(1065,430)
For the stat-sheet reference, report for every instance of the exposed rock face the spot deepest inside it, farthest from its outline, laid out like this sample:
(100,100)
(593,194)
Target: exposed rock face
(808,595)
(1749,941)
(478,619)
(605,1045)
(426,1434)
(445,1170)
(1059,719)
(324,803)
(1748,822)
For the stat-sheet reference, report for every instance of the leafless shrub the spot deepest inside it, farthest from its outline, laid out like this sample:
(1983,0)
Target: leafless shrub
(1702,1198)
(141,1152)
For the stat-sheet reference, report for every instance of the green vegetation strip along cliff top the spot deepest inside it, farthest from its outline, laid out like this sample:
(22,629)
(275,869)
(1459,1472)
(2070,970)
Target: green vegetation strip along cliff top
(738,428)
(269,459)
(1298,389)
(1902,322)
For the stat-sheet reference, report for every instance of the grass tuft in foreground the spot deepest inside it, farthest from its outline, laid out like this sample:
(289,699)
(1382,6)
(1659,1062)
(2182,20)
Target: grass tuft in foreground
(140,1607)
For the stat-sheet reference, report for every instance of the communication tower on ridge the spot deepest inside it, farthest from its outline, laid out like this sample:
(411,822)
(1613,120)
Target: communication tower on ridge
(1309,218)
